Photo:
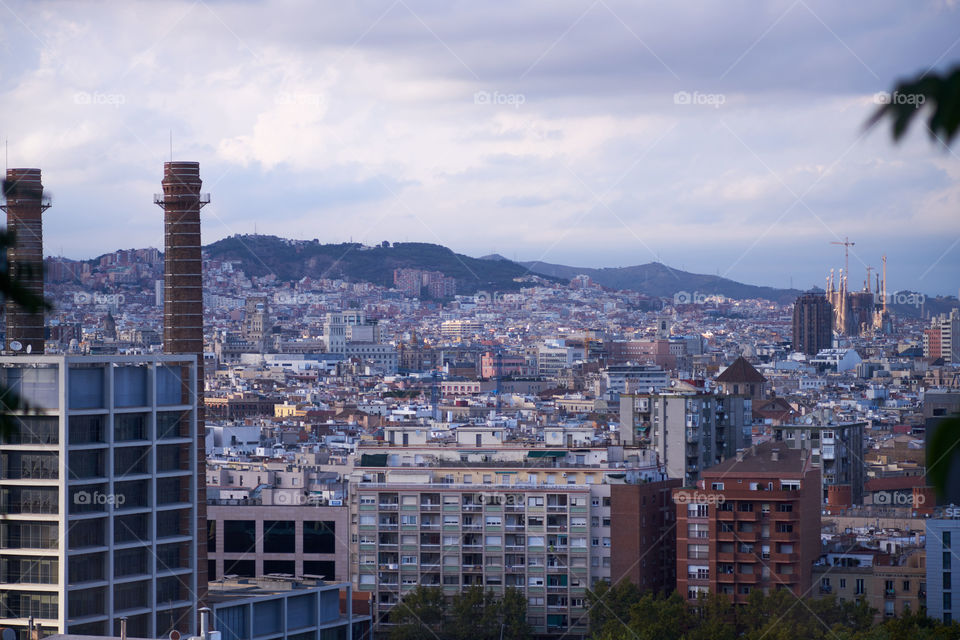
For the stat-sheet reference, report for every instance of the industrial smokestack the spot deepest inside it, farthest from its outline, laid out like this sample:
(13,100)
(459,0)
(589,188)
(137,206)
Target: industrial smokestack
(24,204)
(181,201)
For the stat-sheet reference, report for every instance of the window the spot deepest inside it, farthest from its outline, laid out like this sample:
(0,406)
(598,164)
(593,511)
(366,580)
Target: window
(716,486)
(87,429)
(239,536)
(698,551)
(535,501)
(279,536)
(946,539)
(408,559)
(697,510)
(130,386)
(127,562)
(785,507)
(859,590)
(843,583)
(319,536)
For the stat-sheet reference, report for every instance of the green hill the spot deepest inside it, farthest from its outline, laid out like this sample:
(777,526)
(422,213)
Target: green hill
(294,259)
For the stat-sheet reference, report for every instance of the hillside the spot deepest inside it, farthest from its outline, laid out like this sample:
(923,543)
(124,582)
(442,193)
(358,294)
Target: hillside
(656,279)
(291,260)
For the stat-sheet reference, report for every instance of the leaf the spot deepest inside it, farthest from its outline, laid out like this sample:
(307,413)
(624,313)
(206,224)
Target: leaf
(936,94)
(942,450)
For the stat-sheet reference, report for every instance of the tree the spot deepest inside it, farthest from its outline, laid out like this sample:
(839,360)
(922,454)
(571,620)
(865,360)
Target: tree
(474,615)
(420,614)
(13,290)
(608,604)
(938,94)
(513,615)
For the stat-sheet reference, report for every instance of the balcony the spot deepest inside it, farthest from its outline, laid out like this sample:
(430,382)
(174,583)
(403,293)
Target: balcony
(389,506)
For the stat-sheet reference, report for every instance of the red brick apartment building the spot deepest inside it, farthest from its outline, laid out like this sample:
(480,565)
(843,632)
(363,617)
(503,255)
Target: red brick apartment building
(752,522)
(643,542)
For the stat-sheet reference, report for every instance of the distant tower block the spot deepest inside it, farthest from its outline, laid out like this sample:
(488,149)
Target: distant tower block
(24,204)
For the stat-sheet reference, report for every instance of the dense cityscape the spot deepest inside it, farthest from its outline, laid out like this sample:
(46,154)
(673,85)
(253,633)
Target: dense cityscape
(248,436)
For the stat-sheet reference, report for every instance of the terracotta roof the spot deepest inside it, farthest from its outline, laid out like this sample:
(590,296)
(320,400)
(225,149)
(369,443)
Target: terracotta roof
(790,463)
(740,371)
(895,483)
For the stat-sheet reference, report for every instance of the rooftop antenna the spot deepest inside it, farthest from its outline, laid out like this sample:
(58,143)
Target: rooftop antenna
(6,154)
(171,145)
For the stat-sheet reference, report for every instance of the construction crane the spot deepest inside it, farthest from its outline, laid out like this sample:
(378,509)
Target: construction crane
(867,283)
(846,253)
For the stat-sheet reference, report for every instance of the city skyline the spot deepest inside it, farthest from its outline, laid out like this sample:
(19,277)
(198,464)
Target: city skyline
(591,137)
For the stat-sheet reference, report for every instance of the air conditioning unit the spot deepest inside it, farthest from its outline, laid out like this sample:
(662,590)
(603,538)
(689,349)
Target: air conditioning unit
(563,475)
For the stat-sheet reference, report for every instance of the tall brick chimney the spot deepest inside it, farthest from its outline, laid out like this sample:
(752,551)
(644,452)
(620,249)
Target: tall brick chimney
(24,204)
(181,201)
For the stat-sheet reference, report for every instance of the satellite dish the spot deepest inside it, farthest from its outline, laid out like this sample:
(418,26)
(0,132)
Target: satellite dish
(15,345)
(29,348)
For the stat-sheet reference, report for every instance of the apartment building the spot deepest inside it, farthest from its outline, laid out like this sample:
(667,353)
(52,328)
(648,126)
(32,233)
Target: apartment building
(890,584)
(690,432)
(942,339)
(644,542)
(837,448)
(452,536)
(486,510)
(942,543)
(97,488)
(751,522)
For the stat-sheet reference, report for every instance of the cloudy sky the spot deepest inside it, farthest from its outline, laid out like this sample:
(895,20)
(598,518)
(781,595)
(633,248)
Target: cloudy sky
(718,137)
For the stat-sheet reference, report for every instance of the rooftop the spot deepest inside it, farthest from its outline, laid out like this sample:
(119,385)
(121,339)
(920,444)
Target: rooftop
(766,458)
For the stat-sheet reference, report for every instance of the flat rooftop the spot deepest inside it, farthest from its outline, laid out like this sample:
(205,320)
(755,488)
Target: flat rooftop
(233,588)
